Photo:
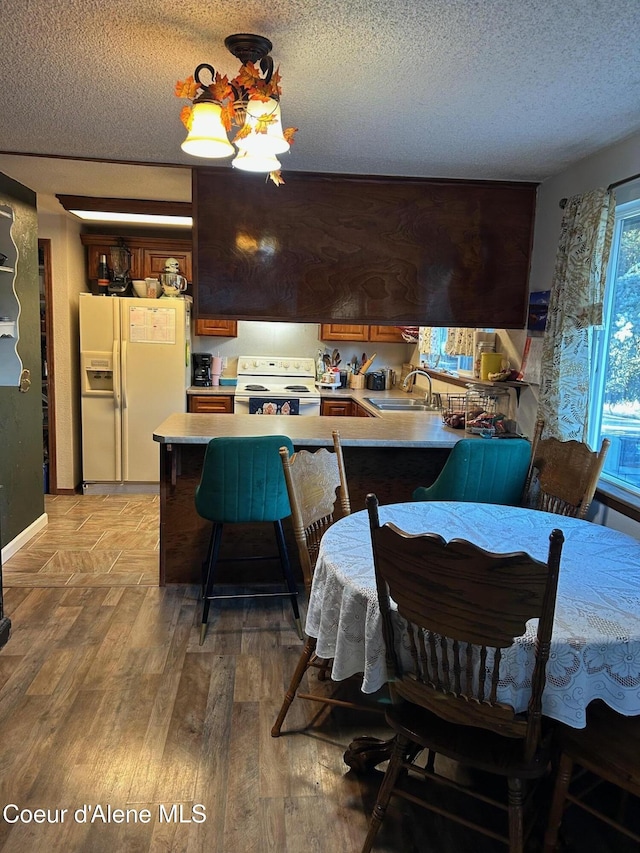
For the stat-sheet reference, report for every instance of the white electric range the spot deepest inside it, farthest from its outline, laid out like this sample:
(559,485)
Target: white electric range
(283,385)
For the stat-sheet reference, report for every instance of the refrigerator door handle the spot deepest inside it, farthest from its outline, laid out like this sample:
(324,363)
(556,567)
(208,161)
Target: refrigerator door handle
(116,373)
(117,381)
(125,413)
(123,381)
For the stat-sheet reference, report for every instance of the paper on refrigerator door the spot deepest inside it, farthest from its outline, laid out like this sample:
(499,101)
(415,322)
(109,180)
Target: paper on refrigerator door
(152,325)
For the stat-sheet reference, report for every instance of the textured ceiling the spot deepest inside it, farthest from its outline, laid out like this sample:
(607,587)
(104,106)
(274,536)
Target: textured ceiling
(495,89)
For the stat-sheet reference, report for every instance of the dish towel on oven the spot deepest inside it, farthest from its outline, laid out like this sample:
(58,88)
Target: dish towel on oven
(265,406)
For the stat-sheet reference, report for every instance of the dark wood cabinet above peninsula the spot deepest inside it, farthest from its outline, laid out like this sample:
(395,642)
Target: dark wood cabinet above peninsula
(362,250)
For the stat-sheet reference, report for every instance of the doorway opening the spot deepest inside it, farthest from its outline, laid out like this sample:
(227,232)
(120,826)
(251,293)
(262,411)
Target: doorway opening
(46,358)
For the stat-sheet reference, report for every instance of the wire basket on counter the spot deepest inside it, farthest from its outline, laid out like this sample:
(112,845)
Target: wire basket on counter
(454,407)
(481,411)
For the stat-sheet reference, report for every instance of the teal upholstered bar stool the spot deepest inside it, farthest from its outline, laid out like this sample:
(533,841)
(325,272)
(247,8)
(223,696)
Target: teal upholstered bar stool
(242,481)
(491,471)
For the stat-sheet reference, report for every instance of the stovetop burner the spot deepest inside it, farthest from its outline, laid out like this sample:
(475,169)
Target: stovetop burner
(255,388)
(297,388)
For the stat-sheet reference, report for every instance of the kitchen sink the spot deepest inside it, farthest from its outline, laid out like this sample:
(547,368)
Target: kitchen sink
(394,405)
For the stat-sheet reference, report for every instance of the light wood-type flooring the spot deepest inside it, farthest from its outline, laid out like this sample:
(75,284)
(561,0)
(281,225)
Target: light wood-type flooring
(90,541)
(107,701)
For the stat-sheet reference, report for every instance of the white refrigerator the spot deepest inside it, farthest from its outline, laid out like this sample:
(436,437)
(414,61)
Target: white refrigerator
(134,373)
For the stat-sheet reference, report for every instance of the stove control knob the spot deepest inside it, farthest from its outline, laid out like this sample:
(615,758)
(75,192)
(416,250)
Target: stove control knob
(255,363)
(244,365)
(296,364)
(285,364)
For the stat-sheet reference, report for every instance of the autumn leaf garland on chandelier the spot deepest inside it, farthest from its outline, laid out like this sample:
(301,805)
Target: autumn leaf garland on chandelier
(249,102)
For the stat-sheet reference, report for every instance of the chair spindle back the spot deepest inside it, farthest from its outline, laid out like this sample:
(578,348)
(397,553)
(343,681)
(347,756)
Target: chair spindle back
(458,608)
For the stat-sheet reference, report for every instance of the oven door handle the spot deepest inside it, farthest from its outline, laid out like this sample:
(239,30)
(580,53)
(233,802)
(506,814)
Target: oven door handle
(306,406)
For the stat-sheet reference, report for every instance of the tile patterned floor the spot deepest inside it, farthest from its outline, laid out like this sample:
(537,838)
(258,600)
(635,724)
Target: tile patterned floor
(91,541)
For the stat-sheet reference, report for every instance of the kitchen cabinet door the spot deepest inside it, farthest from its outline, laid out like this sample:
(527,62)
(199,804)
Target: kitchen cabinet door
(148,254)
(336,408)
(386,334)
(215,404)
(361,412)
(222,328)
(154,260)
(339,332)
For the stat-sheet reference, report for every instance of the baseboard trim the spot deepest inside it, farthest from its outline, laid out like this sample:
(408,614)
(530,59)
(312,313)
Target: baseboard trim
(121,489)
(21,539)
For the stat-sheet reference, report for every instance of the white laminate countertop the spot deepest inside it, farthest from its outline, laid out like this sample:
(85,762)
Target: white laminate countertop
(392,429)
(384,429)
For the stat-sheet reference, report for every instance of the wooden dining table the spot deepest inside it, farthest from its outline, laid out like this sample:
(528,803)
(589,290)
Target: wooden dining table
(595,646)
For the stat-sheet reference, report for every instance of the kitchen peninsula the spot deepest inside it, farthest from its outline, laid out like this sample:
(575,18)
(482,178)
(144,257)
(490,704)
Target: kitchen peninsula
(388,455)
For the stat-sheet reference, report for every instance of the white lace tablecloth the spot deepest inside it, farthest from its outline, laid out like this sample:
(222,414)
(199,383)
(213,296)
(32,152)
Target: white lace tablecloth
(595,650)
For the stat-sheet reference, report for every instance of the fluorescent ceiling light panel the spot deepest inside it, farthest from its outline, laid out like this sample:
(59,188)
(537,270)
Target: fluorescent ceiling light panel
(133,218)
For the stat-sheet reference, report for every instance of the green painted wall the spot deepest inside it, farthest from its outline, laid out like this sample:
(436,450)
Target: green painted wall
(22,494)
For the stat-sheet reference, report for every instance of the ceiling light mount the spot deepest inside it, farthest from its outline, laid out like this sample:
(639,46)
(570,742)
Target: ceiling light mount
(250,101)
(248,47)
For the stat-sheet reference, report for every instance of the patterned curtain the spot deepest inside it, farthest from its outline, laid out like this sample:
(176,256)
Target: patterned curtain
(575,306)
(456,341)
(429,339)
(459,342)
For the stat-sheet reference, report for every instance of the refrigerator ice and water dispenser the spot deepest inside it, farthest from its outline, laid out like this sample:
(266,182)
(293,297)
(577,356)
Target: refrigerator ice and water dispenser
(97,373)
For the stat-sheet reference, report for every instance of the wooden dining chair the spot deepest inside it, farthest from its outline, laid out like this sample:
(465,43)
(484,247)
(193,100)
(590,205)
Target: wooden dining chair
(563,475)
(607,749)
(319,495)
(455,609)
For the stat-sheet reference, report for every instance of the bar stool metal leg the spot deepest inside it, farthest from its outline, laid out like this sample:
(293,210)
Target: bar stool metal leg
(288,574)
(214,550)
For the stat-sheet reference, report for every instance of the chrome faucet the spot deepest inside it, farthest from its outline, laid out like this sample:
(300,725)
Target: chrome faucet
(429,395)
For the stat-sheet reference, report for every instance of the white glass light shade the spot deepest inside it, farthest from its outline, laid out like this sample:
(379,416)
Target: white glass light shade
(250,162)
(272,141)
(207,137)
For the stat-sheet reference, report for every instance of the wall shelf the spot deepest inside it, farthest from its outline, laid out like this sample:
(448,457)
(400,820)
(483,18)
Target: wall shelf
(10,363)
(7,328)
(463,381)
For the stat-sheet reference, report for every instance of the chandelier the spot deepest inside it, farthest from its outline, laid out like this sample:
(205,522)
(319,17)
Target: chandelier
(249,102)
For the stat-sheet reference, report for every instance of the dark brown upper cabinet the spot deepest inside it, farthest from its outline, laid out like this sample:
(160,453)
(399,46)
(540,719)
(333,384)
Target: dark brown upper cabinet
(351,249)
